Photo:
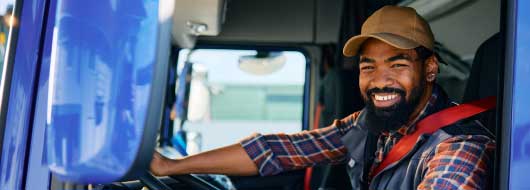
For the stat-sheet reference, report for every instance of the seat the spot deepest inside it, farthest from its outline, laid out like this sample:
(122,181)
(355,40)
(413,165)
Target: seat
(484,78)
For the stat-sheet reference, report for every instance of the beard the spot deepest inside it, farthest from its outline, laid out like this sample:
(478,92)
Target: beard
(392,117)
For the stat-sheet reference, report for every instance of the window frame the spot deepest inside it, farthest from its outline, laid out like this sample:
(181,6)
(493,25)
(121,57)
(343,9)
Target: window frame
(513,76)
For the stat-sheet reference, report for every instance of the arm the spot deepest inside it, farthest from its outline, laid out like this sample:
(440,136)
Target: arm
(461,162)
(263,154)
(277,153)
(230,160)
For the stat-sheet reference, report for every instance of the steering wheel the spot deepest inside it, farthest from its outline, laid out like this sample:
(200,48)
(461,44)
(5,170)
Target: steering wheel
(195,182)
(192,181)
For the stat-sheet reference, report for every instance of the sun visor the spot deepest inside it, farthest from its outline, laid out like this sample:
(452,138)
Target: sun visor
(106,89)
(193,18)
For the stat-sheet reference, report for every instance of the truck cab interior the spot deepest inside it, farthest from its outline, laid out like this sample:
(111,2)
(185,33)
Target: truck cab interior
(236,67)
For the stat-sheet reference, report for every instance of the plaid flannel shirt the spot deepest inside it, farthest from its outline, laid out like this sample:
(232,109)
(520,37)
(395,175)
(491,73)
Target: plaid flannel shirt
(459,162)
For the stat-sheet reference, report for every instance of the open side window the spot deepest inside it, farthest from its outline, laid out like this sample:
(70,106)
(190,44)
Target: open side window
(234,93)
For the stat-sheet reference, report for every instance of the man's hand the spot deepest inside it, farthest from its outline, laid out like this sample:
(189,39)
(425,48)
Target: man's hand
(160,165)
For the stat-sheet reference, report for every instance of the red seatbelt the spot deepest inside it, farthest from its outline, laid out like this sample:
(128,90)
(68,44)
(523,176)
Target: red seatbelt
(431,124)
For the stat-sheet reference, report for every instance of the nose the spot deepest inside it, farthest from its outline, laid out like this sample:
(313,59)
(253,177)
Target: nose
(382,78)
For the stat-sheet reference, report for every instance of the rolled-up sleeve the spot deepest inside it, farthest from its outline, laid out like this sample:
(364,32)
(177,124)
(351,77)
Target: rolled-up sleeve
(276,153)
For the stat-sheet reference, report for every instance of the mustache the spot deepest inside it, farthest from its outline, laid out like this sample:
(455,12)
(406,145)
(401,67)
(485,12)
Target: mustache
(371,91)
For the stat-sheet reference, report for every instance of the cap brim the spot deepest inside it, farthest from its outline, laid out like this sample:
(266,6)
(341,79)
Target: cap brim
(352,46)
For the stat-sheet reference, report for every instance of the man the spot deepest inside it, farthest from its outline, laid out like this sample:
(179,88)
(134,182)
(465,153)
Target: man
(398,69)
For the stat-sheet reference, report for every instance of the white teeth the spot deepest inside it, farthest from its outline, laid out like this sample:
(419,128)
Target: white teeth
(385,98)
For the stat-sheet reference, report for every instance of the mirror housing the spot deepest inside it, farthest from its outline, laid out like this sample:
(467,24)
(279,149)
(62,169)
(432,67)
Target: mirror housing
(106,89)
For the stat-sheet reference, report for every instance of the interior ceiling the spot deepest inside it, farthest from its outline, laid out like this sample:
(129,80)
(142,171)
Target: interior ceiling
(317,21)
(282,21)
(463,30)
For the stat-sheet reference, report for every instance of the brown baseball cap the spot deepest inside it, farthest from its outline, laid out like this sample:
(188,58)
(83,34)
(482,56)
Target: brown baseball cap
(400,27)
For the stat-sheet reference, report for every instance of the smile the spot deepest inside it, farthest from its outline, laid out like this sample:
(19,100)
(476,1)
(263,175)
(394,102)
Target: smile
(385,99)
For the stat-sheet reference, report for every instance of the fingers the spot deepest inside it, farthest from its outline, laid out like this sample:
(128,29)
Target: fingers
(159,164)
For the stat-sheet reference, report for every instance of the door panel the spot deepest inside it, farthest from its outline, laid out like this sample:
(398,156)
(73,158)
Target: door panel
(21,93)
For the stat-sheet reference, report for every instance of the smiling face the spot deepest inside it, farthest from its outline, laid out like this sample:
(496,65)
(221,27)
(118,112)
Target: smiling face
(394,83)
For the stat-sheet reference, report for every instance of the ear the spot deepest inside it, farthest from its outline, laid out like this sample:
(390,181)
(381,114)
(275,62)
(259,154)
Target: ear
(431,68)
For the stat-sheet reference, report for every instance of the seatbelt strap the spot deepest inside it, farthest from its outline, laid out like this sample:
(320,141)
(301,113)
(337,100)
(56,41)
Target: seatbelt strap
(432,123)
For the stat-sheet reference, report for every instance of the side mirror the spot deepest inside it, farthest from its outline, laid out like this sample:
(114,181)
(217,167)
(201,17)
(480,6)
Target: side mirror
(106,92)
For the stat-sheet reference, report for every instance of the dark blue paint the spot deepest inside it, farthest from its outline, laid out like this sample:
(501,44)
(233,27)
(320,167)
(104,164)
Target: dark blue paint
(101,73)
(520,141)
(21,96)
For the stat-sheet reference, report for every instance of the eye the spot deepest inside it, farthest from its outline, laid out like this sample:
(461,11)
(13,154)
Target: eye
(367,68)
(399,65)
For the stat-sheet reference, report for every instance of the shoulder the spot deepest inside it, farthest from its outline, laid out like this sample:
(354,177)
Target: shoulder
(347,122)
(464,139)
(466,143)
